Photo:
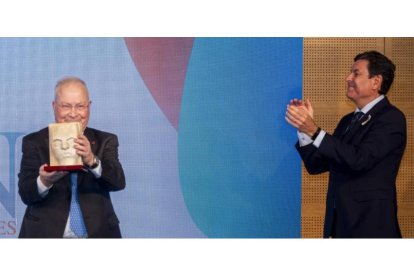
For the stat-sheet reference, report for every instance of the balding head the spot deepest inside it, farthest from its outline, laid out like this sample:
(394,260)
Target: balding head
(71,101)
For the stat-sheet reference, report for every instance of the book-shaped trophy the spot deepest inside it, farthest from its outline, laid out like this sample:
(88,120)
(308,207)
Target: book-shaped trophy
(62,154)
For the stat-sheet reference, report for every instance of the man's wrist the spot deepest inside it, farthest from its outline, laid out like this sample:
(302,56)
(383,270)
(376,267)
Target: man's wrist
(45,182)
(42,189)
(94,164)
(316,133)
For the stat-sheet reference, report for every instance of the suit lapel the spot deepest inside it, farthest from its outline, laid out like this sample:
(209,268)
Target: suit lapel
(362,123)
(367,119)
(341,129)
(89,133)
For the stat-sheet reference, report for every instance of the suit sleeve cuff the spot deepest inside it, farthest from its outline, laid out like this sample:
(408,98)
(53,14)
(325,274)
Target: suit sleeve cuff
(42,189)
(304,139)
(319,139)
(97,172)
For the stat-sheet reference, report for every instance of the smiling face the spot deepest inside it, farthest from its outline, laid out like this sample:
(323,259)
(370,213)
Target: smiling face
(72,104)
(362,88)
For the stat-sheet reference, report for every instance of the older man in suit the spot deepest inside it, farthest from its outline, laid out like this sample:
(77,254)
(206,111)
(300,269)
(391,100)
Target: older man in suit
(56,199)
(362,156)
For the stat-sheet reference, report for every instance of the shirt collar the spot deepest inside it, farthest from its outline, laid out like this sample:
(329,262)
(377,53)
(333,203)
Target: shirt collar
(370,105)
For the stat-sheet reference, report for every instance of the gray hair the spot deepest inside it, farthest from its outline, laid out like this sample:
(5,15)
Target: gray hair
(67,80)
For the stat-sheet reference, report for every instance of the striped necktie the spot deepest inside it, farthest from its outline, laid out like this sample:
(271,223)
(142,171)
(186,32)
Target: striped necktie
(357,116)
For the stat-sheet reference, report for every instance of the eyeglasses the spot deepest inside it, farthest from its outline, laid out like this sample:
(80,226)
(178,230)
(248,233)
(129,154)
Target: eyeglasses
(78,107)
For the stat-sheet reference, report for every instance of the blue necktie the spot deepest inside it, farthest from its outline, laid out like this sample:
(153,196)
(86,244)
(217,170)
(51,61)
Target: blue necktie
(76,220)
(357,116)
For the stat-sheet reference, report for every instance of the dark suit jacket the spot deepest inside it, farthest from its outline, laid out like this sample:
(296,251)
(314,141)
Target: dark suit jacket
(47,217)
(363,166)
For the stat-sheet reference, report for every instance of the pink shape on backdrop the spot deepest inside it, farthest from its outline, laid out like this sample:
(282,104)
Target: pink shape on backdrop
(162,63)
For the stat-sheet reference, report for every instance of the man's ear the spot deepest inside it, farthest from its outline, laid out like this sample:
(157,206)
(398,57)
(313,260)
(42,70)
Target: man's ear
(377,82)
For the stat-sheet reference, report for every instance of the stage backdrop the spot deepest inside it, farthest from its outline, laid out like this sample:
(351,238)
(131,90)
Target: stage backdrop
(203,141)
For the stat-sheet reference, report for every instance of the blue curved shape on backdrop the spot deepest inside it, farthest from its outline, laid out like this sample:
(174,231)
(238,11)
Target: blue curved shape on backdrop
(239,172)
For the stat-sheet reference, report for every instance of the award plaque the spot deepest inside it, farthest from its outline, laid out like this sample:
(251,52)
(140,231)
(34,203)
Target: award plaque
(62,154)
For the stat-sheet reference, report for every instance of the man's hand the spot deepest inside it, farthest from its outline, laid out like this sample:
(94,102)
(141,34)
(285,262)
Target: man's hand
(83,148)
(299,114)
(304,104)
(49,178)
